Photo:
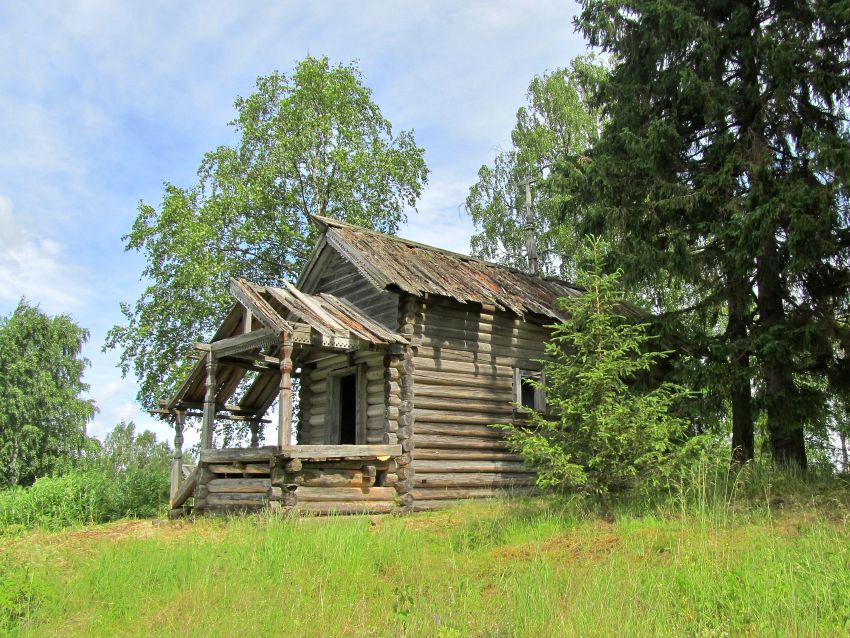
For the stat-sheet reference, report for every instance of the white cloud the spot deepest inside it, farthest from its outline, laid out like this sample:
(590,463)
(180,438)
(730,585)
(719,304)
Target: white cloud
(35,267)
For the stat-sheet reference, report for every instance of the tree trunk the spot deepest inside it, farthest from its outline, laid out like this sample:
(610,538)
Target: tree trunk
(843,438)
(784,417)
(743,443)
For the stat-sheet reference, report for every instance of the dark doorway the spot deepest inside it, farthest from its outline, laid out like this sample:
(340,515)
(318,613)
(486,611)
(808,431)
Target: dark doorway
(348,409)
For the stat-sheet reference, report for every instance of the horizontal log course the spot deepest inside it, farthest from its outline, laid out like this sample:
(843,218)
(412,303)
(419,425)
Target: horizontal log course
(465,379)
(459,405)
(473,345)
(461,367)
(473,479)
(238,468)
(422,466)
(501,395)
(347,507)
(458,418)
(239,486)
(317,387)
(375,374)
(323,466)
(428,506)
(327,478)
(456,429)
(441,493)
(337,494)
(227,509)
(376,437)
(307,452)
(236,500)
(457,442)
(245,455)
(331,362)
(376,398)
(518,340)
(376,387)
(464,455)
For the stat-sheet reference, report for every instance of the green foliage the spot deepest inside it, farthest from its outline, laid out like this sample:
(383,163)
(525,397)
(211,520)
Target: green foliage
(552,565)
(722,171)
(128,476)
(42,417)
(559,122)
(312,142)
(604,433)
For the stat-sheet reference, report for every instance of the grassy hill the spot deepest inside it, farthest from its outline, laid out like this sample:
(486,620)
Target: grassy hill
(534,567)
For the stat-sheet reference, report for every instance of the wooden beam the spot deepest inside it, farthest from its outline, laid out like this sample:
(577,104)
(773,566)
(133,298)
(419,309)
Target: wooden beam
(177,461)
(249,297)
(340,451)
(208,423)
(243,342)
(284,430)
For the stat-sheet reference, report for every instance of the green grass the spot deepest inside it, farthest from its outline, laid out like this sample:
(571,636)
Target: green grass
(776,566)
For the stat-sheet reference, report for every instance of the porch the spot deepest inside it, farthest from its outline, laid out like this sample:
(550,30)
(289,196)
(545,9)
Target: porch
(270,337)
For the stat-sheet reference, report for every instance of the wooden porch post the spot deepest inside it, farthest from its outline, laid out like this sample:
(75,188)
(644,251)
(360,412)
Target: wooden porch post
(284,428)
(254,426)
(177,461)
(208,422)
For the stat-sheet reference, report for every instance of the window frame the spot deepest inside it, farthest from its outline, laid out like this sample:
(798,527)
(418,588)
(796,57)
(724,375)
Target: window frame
(539,376)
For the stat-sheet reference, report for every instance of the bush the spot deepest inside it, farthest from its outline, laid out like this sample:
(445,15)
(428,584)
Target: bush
(603,433)
(127,476)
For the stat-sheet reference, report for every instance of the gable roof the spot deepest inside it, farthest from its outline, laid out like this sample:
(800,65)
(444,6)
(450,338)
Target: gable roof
(393,262)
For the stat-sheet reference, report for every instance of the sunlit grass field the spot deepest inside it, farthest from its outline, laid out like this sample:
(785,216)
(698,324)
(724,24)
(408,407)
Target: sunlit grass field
(531,567)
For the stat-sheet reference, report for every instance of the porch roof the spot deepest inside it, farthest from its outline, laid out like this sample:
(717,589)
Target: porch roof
(321,321)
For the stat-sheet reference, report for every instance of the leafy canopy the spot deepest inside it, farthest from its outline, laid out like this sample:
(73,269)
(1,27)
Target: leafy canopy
(42,415)
(724,166)
(312,142)
(602,434)
(558,122)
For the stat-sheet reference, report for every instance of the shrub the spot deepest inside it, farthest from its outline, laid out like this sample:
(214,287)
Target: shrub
(602,432)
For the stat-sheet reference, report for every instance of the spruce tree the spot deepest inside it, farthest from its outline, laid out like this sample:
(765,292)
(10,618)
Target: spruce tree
(724,167)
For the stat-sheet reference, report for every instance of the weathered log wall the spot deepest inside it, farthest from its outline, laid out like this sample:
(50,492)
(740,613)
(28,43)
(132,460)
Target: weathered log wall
(232,480)
(341,279)
(317,396)
(464,357)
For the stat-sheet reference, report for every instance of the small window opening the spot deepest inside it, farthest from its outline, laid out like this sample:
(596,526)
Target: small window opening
(348,410)
(529,391)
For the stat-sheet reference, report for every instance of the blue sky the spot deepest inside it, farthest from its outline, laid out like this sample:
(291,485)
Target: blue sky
(100,102)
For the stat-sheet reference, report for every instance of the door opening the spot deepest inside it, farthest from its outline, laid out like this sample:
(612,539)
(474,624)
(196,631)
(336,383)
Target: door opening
(348,409)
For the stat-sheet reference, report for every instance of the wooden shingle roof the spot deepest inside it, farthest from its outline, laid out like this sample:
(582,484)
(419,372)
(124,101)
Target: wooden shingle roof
(390,262)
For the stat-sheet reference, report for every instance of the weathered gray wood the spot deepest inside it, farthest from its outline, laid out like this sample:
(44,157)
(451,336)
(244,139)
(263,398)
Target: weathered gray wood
(458,405)
(435,467)
(332,416)
(235,455)
(464,455)
(242,468)
(243,342)
(340,451)
(329,478)
(453,429)
(465,379)
(462,367)
(425,391)
(236,500)
(239,486)
(473,479)
(457,442)
(347,494)
(361,404)
(458,418)
(186,489)
(284,407)
(177,460)
(208,423)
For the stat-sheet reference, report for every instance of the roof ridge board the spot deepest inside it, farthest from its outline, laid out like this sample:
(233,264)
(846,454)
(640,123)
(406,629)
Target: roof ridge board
(331,223)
